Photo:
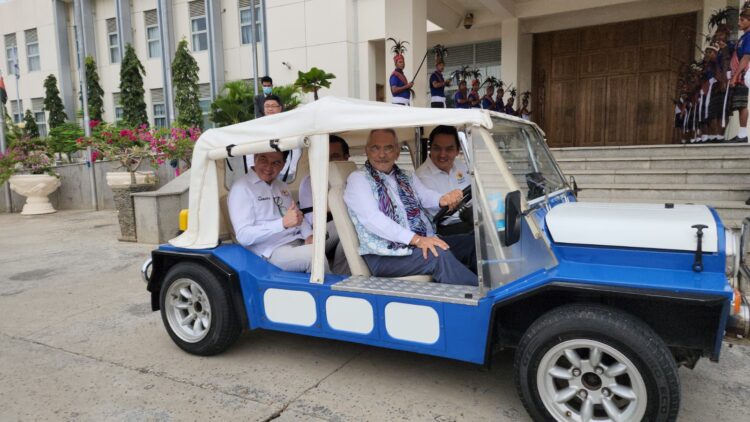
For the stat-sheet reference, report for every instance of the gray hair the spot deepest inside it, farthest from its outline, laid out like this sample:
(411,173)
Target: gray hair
(388,130)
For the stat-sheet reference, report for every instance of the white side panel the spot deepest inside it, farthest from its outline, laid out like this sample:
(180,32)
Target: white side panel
(416,323)
(290,307)
(350,314)
(650,226)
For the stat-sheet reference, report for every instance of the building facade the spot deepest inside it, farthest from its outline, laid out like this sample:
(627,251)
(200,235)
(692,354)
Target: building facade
(508,39)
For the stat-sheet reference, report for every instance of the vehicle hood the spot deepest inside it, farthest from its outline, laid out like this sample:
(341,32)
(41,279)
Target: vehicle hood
(648,226)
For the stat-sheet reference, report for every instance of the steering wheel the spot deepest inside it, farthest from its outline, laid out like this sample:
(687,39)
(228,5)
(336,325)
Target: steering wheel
(445,212)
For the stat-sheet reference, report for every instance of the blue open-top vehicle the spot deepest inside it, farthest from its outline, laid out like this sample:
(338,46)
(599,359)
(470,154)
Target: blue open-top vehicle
(602,302)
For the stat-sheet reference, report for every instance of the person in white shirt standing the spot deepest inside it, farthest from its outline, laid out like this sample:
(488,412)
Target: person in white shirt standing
(338,150)
(396,237)
(443,173)
(266,218)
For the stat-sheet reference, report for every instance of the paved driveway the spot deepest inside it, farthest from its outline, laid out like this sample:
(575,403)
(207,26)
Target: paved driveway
(78,342)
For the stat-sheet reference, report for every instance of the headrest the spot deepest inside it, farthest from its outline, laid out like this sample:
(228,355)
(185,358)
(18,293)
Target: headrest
(339,171)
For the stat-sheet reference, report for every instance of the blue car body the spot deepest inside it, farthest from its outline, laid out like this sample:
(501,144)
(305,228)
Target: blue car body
(466,329)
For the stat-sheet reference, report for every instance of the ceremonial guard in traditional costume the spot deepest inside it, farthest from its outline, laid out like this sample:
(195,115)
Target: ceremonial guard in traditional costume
(739,83)
(487,102)
(524,112)
(474,98)
(461,97)
(400,86)
(438,84)
(509,104)
(500,93)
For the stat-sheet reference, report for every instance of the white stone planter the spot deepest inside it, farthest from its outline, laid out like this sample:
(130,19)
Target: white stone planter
(35,187)
(122,178)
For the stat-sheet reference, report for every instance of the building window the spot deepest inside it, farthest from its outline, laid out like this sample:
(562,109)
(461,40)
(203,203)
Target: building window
(159,107)
(37,107)
(205,104)
(113,40)
(16,107)
(153,37)
(198,25)
(160,115)
(32,50)
(246,27)
(118,107)
(10,53)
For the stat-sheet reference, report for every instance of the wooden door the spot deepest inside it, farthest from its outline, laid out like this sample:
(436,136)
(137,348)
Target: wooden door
(609,84)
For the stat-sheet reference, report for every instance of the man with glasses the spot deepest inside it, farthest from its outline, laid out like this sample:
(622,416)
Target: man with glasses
(266,219)
(443,173)
(396,237)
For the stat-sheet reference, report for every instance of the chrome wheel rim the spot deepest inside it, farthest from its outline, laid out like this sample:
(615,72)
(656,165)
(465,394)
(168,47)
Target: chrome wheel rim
(586,380)
(188,310)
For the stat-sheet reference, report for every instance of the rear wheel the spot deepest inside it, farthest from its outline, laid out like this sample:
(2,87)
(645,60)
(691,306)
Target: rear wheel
(197,311)
(594,363)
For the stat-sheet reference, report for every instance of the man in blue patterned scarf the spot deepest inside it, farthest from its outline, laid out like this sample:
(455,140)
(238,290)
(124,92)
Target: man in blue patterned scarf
(396,236)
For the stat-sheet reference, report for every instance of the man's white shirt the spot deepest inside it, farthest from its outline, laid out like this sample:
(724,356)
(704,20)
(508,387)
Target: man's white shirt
(257,210)
(362,201)
(442,182)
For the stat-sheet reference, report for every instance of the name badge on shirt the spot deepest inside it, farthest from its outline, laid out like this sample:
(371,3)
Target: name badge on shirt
(460,177)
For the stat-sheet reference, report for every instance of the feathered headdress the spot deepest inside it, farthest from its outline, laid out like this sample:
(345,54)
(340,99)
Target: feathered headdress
(491,81)
(398,49)
(721,17)
(477,75)
(513,93)
(460,74)
(525,96)
(440,52)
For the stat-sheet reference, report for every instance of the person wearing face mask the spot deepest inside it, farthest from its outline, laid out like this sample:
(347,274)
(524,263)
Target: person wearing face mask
(443,173)
(259,99)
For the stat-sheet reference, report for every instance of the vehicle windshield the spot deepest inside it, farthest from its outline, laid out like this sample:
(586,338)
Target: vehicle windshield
(528,158)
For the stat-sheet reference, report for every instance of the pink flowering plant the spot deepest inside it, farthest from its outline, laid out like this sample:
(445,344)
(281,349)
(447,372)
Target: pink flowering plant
(174,145)
(131,146)
(27,156)
(128,146)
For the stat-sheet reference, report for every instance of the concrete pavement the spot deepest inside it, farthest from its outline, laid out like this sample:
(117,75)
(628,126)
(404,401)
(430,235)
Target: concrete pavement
(79,342)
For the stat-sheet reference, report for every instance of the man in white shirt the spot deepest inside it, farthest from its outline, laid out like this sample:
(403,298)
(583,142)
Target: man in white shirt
(443,173)
(396,237)
(266,219)
(338,150)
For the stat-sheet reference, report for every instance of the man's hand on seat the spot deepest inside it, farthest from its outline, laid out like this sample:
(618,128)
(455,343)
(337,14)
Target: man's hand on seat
(428,244)
(293,217)
(451,199)
(309,240)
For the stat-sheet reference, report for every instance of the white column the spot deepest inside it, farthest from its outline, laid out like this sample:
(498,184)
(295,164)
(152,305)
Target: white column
(407,21)
(515,65)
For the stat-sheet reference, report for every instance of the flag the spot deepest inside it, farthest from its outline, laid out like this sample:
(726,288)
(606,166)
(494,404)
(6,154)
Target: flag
(3,93)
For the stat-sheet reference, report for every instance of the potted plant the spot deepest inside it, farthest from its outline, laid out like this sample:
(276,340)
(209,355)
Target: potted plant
(27,166)
(130,147)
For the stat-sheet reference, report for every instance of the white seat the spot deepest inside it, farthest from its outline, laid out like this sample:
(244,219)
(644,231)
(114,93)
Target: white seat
(338,172)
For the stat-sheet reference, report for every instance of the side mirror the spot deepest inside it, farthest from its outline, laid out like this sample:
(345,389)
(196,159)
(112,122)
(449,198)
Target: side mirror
(513,217)
(574,185)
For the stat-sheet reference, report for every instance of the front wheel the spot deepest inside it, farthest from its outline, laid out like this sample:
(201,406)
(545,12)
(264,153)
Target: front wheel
(595,363)
(197,310)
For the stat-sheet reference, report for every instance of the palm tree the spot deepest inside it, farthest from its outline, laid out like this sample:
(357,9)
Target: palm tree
(313,80)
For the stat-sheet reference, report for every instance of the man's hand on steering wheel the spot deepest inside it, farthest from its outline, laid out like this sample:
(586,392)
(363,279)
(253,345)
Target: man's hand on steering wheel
(449,203)
(451,199)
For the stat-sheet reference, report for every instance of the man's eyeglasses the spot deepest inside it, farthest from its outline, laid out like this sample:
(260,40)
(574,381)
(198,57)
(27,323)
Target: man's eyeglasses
(271,106)
(376,149)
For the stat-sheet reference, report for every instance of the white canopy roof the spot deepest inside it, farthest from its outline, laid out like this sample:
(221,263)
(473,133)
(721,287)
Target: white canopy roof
(327,115)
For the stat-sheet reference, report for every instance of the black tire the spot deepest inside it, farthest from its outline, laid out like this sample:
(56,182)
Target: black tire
(223,326)
(595,324)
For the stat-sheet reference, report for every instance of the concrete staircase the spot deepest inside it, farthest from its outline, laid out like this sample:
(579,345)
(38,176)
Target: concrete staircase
(715,175)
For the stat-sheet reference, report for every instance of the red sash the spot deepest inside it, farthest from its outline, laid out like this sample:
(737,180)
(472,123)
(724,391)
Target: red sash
(400,76)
